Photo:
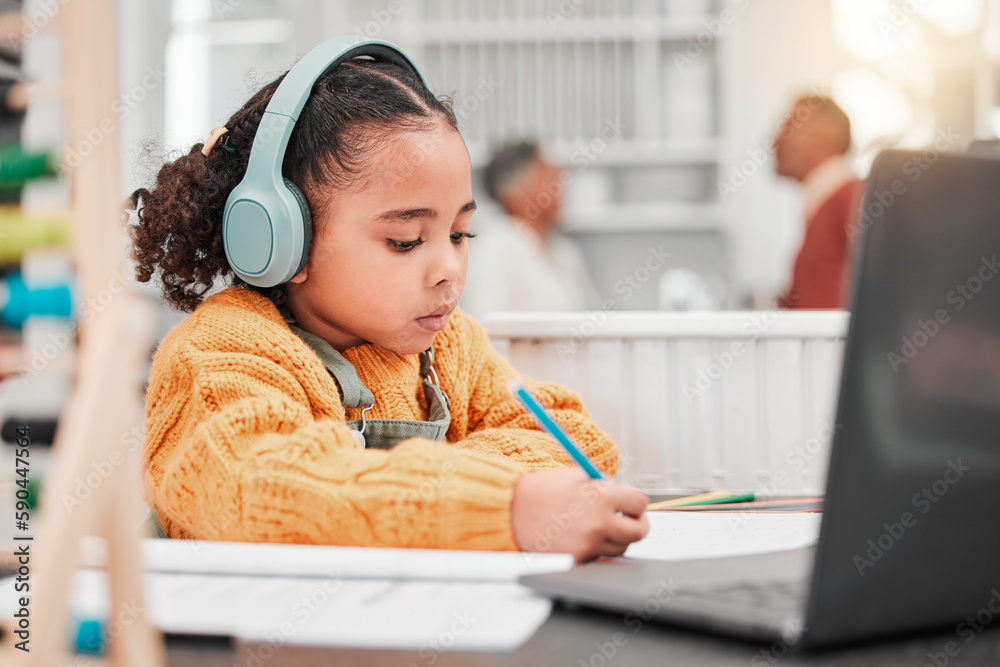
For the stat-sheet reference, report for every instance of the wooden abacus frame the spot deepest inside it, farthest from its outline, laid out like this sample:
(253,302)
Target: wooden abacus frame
(106,400)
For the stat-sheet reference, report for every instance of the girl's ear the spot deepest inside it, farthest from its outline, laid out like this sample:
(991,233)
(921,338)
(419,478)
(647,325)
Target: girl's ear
(301,276)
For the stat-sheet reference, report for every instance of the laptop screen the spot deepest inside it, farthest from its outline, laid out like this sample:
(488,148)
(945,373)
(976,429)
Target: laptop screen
(911,535)
(930,308)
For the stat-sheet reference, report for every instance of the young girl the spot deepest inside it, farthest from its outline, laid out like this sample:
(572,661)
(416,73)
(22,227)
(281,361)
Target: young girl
(354,404)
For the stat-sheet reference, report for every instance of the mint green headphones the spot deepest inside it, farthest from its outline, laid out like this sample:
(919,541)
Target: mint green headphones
(266,226)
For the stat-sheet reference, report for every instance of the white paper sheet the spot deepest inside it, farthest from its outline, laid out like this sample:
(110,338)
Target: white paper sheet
(691,535)
(421,615)
(417,599)
(304,560)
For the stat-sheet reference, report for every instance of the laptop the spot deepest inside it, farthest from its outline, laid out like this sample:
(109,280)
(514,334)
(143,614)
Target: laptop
(910,535)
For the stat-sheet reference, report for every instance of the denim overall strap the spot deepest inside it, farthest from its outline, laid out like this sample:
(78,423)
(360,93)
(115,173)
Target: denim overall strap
(387,433)
(383,433)
(354,394)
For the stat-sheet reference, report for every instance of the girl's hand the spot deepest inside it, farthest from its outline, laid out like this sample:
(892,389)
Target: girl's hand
(565,511)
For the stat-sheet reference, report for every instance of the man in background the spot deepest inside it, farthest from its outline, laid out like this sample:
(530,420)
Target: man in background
(519,262)
(810,149)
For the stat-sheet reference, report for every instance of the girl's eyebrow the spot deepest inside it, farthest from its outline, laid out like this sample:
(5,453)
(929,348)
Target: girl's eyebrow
(407,214)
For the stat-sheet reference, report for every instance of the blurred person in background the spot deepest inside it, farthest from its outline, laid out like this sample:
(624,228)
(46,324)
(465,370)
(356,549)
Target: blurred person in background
(520,262)
(810,148)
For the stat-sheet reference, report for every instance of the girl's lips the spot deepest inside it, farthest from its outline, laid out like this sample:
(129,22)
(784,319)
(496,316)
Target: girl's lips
(436,320)
(433,322)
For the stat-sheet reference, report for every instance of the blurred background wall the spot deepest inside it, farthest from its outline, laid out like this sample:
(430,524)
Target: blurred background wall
(662,111)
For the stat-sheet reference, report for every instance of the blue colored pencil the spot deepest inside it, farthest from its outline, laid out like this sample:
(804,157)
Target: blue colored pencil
(546,421)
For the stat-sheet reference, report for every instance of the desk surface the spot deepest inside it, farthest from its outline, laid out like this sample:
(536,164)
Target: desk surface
(573,637)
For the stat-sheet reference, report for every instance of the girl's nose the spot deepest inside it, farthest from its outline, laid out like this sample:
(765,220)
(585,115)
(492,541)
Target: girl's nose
(446,264)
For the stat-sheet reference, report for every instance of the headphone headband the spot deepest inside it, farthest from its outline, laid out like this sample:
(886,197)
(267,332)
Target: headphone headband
(294,89)
(265,242)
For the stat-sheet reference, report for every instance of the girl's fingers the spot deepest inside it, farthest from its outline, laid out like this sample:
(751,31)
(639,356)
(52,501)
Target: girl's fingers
(612,549)
(626,529)
(627,500)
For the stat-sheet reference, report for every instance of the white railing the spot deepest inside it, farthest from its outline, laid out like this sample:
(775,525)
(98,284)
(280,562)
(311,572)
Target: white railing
(730,400)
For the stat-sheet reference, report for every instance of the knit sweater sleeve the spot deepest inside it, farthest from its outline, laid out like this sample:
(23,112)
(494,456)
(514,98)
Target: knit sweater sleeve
(237,450)
(487,418)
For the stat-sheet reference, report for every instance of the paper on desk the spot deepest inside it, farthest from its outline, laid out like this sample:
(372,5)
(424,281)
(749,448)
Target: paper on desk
(696,535)
(306,560)
(421,615)
(417,599)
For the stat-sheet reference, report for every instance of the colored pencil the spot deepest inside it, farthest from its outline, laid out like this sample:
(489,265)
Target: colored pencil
(531,404)
(688,500)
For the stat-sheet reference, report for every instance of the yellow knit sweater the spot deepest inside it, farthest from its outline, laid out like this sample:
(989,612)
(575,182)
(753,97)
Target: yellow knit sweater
(246,437)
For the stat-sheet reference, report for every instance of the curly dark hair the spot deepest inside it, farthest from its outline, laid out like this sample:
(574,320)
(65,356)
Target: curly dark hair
(351,110)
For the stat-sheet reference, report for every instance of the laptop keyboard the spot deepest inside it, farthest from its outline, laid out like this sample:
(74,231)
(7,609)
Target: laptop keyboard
(780,596)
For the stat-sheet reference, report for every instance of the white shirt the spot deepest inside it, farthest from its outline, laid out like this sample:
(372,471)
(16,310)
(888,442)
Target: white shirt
(823,182)
(512,269)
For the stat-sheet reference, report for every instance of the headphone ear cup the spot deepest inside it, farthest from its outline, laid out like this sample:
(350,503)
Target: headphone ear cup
(307,227)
